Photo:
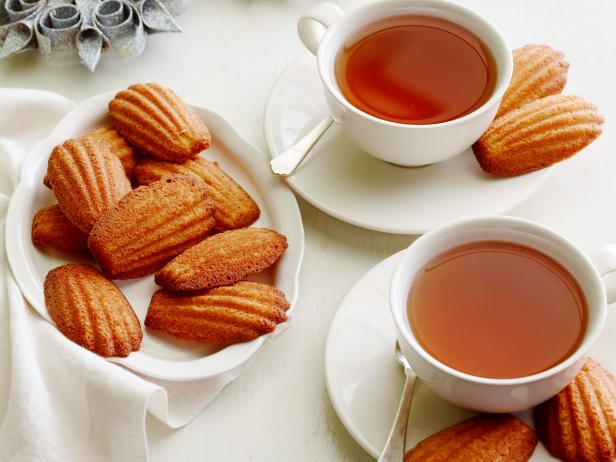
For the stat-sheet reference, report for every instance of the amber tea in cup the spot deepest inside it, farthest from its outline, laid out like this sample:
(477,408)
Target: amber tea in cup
(415,69)
(497,310)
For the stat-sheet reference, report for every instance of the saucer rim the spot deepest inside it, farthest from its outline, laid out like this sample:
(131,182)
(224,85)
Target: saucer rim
(268,131)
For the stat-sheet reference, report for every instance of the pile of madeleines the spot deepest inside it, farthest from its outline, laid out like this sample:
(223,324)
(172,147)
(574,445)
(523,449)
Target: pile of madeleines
(536,127)
(187,221)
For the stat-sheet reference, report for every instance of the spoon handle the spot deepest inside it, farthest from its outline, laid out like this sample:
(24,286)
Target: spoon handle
(286,163)
(394,448)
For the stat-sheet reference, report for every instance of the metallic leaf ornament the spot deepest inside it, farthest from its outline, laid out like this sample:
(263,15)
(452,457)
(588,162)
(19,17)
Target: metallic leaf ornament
(63,29)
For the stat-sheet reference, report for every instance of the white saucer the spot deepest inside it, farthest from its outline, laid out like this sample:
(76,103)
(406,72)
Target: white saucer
(348,184)
(364,381)
(159,356)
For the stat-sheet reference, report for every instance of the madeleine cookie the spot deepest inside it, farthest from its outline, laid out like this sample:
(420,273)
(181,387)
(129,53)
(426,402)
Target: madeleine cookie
(91,311)
(537,135)
(538,71)
(483,438)
(223,315)
(86,180)
(223,259)
(109,139)
(234,207)
(51,228)
(579,423)
(151,225)
(157,122)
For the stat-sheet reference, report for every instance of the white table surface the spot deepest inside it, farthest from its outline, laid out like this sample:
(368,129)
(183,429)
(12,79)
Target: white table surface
(227,59)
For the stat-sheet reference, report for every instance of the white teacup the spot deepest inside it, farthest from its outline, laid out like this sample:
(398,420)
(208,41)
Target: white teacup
(324,29)
(488,394)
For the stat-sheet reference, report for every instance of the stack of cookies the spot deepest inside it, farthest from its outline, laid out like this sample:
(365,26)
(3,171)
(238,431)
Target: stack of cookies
(536,126)
(186,220)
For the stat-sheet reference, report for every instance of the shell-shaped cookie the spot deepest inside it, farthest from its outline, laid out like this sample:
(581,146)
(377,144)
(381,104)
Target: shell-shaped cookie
(223,315)
(109,139)
(537,135)
(483,438)
(234,206)
(156,121)
(151,225)
(579,423)
(51,228)
(538,71)
(86,180)
(223,259)
(91,311)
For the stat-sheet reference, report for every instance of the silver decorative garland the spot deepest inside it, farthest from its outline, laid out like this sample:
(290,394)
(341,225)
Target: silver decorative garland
(62,28)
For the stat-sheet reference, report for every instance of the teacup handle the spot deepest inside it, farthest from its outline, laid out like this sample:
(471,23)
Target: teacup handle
(312,26)
(604,260)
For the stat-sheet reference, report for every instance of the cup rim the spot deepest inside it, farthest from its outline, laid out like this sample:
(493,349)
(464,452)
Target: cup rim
(497,93)
(503,222)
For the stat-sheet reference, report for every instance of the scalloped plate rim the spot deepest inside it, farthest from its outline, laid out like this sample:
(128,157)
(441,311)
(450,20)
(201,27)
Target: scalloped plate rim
(250,157)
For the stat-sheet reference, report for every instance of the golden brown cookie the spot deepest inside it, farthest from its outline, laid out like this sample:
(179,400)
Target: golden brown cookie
(51,228)
(538,71)
(234,206)
(86,180)
(109,139)
(156,121)
(537,135)
(91,311)
(223,259)
(579,423)
(483,438)
(223,315)
(151,225)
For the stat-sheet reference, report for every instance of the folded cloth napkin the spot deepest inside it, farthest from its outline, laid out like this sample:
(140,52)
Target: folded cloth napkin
(58,401)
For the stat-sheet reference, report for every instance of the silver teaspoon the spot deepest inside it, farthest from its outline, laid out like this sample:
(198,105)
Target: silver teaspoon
(394,448)
(287,162)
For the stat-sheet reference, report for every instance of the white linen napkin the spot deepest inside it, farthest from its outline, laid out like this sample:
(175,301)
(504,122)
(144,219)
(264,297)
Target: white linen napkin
(58,401)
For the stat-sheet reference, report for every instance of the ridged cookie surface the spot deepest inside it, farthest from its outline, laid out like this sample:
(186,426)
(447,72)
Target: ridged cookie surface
(223,259)
(234,206)
(223,315)
(91,311)
(109,139)
(86,180)
(538,71)
(51,228)
(151,225)
(579,423)
(483,438)
(538,134)
(156,121)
